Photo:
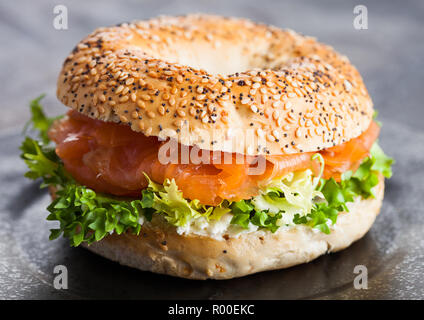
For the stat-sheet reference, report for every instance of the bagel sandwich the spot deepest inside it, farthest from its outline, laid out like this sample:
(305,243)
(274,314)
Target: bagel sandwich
(206,147)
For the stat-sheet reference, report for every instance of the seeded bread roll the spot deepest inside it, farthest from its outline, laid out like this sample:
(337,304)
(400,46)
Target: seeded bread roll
(203,80)
(160,249)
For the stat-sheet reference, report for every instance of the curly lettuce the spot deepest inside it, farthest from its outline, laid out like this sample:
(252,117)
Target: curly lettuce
(87,216)
(298,200)
(293,194)
(167,199)
(39,122)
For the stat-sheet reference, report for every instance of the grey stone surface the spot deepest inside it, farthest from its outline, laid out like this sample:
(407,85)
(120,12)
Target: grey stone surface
(389,56)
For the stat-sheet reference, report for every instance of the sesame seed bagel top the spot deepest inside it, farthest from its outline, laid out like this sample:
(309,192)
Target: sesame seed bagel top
(219,83)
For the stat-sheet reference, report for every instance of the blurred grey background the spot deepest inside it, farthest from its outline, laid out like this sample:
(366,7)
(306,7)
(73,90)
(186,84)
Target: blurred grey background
(389,54)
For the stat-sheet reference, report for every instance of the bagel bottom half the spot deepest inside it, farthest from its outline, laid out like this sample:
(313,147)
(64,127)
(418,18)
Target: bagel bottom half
(159,248)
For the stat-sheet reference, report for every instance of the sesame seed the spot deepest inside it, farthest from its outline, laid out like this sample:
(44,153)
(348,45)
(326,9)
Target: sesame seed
(141,104)
(181,113)
(151,114)
(246,101)
(148,131)
(277,104)
(119,89)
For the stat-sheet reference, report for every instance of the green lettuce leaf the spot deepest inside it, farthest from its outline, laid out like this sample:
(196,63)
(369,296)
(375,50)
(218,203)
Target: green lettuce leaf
(43,162)
(278,203)
(299,200)
(293,194)
(241,211)
(85,216)
(39,122)
(382,163)
(360,183)
(177,210)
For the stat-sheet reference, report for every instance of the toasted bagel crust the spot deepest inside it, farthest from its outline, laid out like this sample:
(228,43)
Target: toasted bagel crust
(205,79)
(162,250)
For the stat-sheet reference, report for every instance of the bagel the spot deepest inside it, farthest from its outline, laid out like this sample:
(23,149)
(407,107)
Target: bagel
(186,77)
(205,83)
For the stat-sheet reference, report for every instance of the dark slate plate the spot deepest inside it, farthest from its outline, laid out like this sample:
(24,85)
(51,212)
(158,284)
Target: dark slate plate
(393,250)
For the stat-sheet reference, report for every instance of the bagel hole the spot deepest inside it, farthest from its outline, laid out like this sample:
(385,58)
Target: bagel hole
(228,59)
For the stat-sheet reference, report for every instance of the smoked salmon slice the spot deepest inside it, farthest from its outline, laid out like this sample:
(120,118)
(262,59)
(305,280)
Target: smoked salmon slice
(111,158)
